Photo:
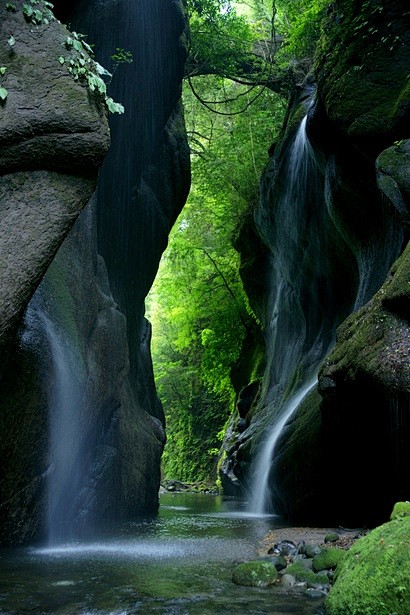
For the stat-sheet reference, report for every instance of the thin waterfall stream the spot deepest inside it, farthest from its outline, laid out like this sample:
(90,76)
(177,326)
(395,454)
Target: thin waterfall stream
(64,400)
(287,336)
(260,502)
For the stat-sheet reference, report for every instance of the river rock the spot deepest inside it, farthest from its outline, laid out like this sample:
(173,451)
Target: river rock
(255,574)
(331,537)
(285,547)
(400,509)
(279,562)
(312,550)
(328,559)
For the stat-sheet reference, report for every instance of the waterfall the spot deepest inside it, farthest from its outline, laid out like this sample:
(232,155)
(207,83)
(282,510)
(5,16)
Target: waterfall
(65,400)
(302,301)
(260,502)
(321,271)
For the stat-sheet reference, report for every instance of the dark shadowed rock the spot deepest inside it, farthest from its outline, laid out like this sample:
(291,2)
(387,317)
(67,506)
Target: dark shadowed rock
(53,136)
(99,315)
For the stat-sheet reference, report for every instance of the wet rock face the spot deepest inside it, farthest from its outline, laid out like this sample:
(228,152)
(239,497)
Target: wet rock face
(365,384)
(393,177)
(362,68)
(328,463)
(53,137)
(99,313)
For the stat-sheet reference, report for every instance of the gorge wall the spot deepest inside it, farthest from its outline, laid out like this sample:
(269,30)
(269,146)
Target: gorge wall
(80,366)
(332,218)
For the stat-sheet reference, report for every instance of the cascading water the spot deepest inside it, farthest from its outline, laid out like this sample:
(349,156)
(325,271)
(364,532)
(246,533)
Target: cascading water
(261,496)
(320,272)
(293,341)
(66,437)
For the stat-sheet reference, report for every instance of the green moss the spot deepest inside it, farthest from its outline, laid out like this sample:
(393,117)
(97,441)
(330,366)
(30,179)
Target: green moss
(302,574)
(255,574)
(373,339)
(328,558)
(373,578)
(362,65)
(400,509)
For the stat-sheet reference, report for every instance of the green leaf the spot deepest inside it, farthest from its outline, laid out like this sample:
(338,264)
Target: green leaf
(28,10)
(101,70)
(61,59)
(3,94)
(11,7)
(114,107)
(11,41)
(78,46)
(3,70)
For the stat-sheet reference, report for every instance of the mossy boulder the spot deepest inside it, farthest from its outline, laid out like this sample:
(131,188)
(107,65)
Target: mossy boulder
(362,67)
(303,574)
(374,575)
(255,574)
(328,559)
(401,509)
(393,176)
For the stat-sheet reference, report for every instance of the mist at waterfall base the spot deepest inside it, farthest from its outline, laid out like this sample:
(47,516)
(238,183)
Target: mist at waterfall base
(180,563)
(320,272)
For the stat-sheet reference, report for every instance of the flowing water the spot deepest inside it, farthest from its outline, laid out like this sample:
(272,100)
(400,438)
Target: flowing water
(294,337)
(313,257)
(179,563)
(261,500)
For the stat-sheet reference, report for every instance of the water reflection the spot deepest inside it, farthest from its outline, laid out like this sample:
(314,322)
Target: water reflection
(179,563)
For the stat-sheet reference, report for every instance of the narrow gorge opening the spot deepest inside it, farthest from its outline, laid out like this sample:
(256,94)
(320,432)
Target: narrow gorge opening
(266,142)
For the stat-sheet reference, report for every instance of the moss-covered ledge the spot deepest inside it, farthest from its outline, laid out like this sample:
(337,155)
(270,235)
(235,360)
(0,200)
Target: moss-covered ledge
(362,65)
(375,340)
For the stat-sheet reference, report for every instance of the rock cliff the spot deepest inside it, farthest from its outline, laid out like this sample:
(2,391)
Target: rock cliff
(89,316)
(329,255)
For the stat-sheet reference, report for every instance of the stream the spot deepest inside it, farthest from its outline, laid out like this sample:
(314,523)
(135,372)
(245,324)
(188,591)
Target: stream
(179,563)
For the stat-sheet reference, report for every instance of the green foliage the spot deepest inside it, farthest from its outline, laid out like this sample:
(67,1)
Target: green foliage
(219,37)
(83,67)
(299,22)
(260,41)
(38,12)
(121,56)
(198,307)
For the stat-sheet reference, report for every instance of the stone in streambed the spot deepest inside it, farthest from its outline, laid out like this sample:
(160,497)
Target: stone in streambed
(255,574)
(332,537)
(278,561)
(285,547)
(328,559)
(311,550)
(301,573)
